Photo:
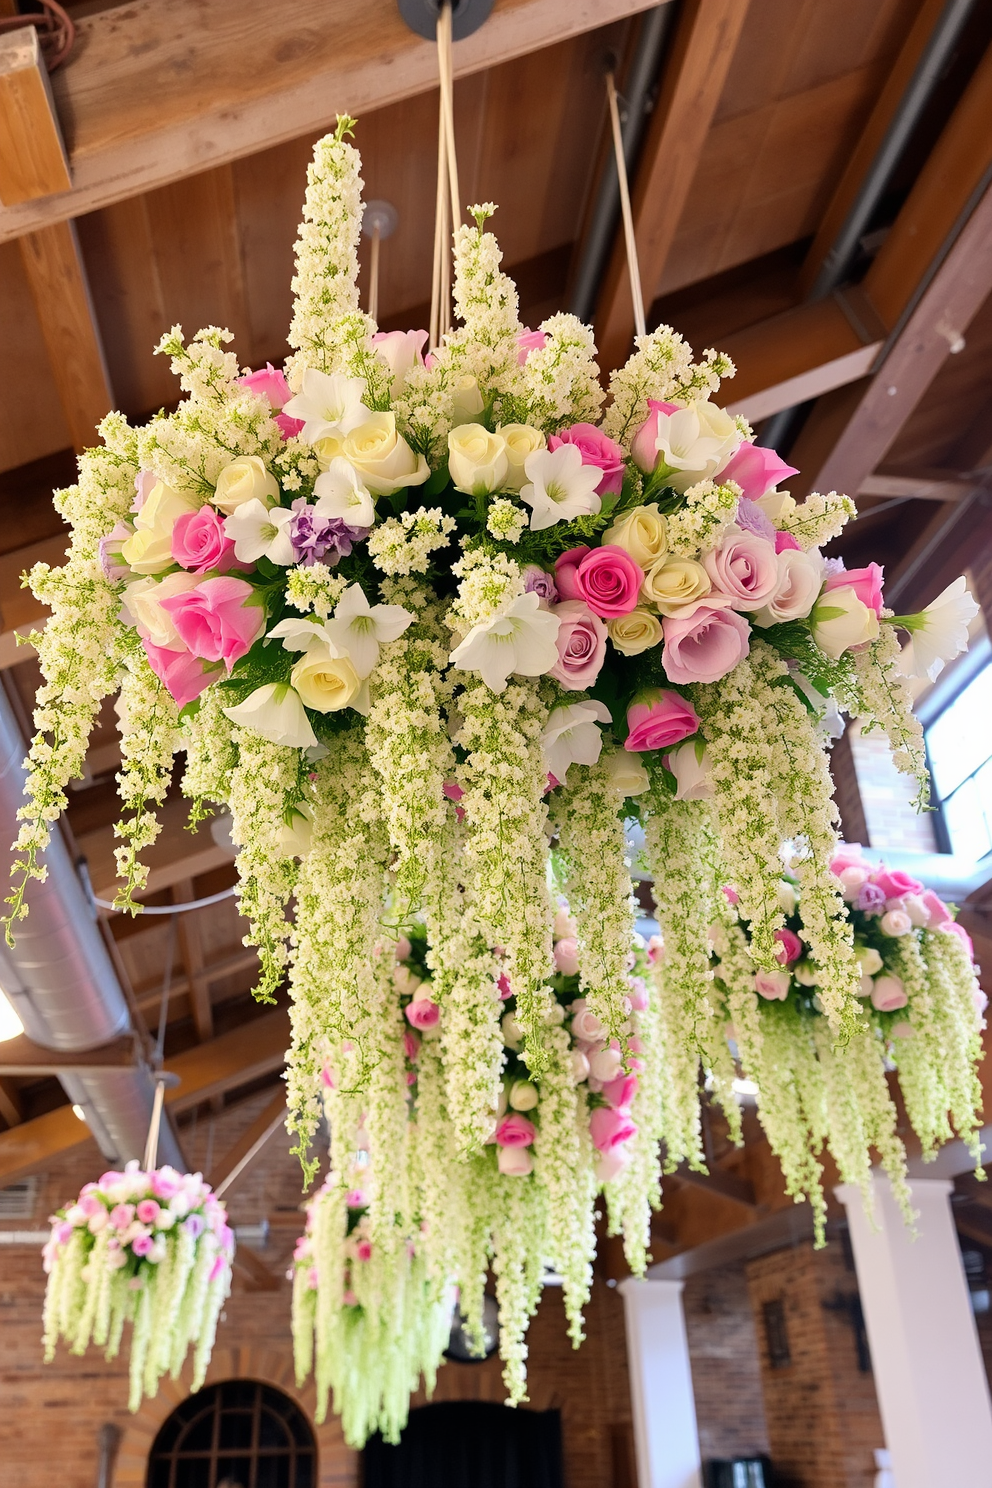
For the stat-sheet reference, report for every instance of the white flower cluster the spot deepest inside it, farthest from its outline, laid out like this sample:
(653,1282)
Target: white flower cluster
(315,589)
(561,378)
(882,699)
(661,368)
(148,726)
(488,585)
(698,527)
(818,519)
(506,521)
(403,545)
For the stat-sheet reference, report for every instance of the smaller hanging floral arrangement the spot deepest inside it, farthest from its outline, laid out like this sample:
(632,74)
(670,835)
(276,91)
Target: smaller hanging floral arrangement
(150,1248)
(921,1025)
(369,1319)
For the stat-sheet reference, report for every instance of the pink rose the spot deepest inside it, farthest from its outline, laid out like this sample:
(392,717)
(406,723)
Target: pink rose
(423,1013)
(411,1045)
(121,1216)
(503,986)
(566,572)
(644,447)
(166,1183)
(454,792)
(785,542)
(363,1250)
(515,1131)
(609,1128)
(566,955)
(790,947)
(743,568)
(704,643)
(215,620)
(402,948)
(620,1091)
(142,1244)
(894,883)
(773,984)
(848,855)
(581,643)
(595,449)
(730,894)
(888,994)
(638,994)
(199,541)
(609,581)
(937,910)
(866,583)
(183,676)
(756,470)
(514,1162)
(585,1025)
(268,382)
(610,1165)
(529,341)
(953,928)
(657,719)
(288,426)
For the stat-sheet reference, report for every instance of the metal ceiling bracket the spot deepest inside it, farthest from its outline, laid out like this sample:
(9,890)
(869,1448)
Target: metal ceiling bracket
(466,16)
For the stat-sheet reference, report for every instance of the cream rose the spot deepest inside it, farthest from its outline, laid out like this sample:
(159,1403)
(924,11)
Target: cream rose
(245,479)
(143,601)
(634,632)
(643,533)
(468,402)
(841,620)
(149,549)
(477,460)
(799,580)
(326,450)
(521,440)
(382,457)
(673,583)
(626,773)
(324,681)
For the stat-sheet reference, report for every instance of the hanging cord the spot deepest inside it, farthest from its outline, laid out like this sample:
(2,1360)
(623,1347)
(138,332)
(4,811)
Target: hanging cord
(151,1147)
(633,269)
(374,274)
(56,32)
(161,1079)
(174,909)
(447,212)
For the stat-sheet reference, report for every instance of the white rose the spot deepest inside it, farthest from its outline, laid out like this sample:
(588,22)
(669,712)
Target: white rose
(149,548)
(690,764)
(382,457)
(514,1162)
(626,773)
(477,461)
(143,602)
(325,679)
(806,974)
(295,841)
(868,959)
(513,1034)
(580,1066)
(634,632)
(841,620)
(799,580)
(605,1064)
(405,982)
(245,479)
(520,440)
(787,897)
(468,402)
(643,533)
(523,1096)
(895,922)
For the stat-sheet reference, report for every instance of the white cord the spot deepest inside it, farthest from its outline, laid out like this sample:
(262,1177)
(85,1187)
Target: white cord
(633,268)
(173,909)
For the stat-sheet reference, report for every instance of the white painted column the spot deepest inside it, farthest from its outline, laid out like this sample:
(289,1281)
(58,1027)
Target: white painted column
(932,1388)
(661,1385)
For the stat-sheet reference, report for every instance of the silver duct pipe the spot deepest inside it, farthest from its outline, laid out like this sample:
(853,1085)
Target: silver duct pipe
(60,979)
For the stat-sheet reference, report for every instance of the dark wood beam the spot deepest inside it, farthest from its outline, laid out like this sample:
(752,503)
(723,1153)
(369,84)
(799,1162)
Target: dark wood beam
(720,1181)
(191,950)
(21,1056)
(10,1104)
(694,74)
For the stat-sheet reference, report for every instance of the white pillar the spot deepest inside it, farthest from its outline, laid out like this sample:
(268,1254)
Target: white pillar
(661,1385)
(932,1389)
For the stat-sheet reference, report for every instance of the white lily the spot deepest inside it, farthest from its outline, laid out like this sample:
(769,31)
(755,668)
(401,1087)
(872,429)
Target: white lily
(940,632)
(260,531)
(299,635)
(572,736)
(360,628)
(560,488)
(522,640)
(695,443)
(340,493)
(276,712)
(329,404)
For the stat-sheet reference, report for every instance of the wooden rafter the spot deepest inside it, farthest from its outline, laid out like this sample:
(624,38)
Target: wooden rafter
(694,74)
(238,1160)
(191,950)
(157,92)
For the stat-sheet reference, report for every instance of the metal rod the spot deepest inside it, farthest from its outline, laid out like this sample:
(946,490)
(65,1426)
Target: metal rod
(151,1147)
(630,239)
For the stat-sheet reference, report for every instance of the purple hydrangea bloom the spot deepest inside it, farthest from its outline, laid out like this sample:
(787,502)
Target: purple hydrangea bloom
(833,566)
(538,581)
(193,1225)
(317,538)
(871,899)
(753,519)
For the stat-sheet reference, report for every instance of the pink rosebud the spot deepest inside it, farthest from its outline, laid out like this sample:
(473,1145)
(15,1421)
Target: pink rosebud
(503,983)
(423,1013)
(888,994)
(453,791)
(786,543)
(90,1204)
(529,341)
(938,912)
(644,446)
(327,1078)
(704,643)
(121,1216)
(609,581)
(215,620)
(313,1278)
(200,543)
(581,643)
(109,552)
(288,426)
(515,1131)
(620,1091)
(566,572)
(656,950)
(142,1244)
(894,883)
(183,676)
(657,719)
(411,1044)
(411,1078)
(356,1198)
(609,1128)
(756,470)
(402,948)
(566,955)
(638,994)
(866,583)
(586,1027)
(148,1211)
(166,1183)
(790,947)
(268,382)
(731,895)
(144,484)
(774,985)
(848,855)
(596,449)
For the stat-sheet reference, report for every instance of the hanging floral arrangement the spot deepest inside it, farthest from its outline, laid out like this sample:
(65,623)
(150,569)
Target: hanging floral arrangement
(412,618)
(152,1249)
(922,1025)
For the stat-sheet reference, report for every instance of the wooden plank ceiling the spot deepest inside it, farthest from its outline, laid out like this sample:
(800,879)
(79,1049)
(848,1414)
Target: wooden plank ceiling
(765,120)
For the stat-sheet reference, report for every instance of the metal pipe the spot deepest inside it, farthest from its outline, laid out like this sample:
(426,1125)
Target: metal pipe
(61,981)
(636,96)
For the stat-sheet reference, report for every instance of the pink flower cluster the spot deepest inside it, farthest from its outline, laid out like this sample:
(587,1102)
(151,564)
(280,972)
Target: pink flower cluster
(358,1247)
(139,1210)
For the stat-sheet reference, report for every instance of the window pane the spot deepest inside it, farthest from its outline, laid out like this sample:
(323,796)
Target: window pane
(234,1472)
(199,1435)
(235,1429)
(961,738)
(966,826)
(273,1472)
(272,1432)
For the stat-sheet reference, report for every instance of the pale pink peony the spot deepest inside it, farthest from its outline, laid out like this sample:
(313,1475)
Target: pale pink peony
(773,985)
(620,1091)
(888,994)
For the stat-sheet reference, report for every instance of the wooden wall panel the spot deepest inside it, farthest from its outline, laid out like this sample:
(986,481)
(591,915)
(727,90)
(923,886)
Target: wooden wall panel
(32,424)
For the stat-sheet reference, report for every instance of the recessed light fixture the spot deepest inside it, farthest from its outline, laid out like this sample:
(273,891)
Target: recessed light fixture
(10,1023)
(79,1112)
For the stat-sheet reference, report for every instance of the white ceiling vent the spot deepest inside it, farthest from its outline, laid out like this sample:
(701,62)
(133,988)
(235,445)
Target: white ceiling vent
(17,1200)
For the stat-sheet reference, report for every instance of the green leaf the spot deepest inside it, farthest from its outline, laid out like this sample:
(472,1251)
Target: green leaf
(438,480)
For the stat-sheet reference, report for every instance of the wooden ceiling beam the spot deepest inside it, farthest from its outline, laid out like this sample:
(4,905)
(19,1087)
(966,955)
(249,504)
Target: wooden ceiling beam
(10,1104)
(692,82)
(177,854)
(795,356)
(21,1056)
(191,950)
(158,92)
(236,1163)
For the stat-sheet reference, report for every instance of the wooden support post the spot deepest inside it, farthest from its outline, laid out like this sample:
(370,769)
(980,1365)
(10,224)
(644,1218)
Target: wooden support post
(32,157)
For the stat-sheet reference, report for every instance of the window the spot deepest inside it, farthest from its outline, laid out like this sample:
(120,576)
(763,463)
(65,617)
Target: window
(240,1434)
(776,1333)
(958,722)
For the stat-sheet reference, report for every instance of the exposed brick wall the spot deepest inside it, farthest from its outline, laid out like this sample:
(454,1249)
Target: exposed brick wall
(726,1366)
(886,797)
(821,1411)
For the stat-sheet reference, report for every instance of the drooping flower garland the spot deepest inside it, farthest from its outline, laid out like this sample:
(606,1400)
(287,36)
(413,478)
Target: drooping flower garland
(922,1017)
(407,616)
(153,1249)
